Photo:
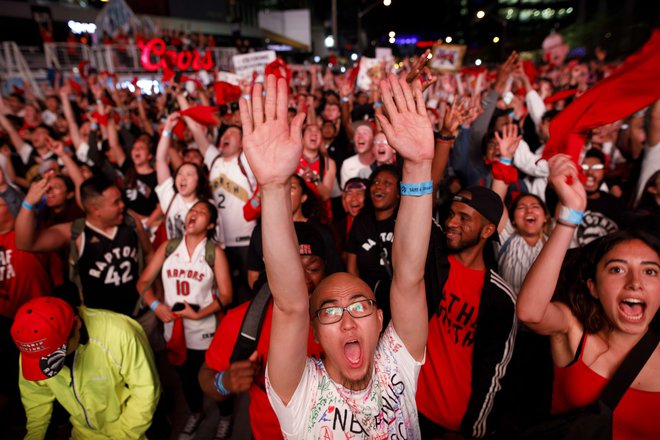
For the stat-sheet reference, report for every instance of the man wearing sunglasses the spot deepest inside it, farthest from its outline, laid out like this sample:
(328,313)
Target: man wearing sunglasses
(365,386)
(603,213)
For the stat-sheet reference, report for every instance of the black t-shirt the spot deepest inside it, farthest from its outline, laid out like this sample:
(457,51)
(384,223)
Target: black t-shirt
(141,197)
(602,216)
(371,241)
(255,256)
(109,269)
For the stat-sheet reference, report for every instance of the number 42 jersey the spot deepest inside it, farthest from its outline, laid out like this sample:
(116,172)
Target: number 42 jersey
(189,278)
(108,267)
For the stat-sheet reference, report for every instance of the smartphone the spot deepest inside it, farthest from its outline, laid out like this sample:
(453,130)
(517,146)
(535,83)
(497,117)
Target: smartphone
(177,307)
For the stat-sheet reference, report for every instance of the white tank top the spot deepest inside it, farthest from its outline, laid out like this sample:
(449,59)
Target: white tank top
(190,278)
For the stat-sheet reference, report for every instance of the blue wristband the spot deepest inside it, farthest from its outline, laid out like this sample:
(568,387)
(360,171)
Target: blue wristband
(27,206)
(167,133)
(154,305)
(378,104)
(255,203)
(217,383)
(571,216)
(506,160)
(416,189)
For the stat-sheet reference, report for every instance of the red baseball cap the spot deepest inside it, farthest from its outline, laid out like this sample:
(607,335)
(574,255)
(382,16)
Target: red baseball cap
(41,331)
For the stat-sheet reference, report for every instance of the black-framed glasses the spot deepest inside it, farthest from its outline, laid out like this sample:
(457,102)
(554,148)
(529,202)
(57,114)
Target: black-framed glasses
(358,309)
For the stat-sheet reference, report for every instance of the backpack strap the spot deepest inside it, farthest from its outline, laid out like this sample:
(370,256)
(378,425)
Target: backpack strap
(248,336)
(242,168)
(170,247)
(209,253)
(631,365)
(77,227)
(504,247)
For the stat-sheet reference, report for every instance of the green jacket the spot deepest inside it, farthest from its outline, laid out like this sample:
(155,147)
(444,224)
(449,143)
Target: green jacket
(112,389)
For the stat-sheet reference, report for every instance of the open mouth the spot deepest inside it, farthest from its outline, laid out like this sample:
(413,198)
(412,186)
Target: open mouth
(632,309)
(353,353)
(530,220)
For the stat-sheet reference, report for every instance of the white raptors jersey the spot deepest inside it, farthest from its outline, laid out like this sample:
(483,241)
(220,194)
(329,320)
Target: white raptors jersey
(232,188)
(190,278)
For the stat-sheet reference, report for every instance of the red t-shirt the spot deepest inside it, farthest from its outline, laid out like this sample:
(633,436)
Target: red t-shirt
(444,385)
(23,275)
(262,418)
(577,386)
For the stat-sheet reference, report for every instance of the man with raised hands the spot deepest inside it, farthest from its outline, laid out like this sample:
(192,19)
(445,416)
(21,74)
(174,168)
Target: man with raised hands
(365,386)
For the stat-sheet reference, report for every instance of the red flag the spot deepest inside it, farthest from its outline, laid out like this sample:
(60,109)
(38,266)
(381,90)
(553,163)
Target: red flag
(75,86)
(633,86)
(226,93)
(185,78)
(279,69)
(560,95)
(202,114)
(176,346)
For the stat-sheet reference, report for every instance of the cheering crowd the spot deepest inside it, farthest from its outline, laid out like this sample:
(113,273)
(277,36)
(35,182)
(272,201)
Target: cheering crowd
(440,256)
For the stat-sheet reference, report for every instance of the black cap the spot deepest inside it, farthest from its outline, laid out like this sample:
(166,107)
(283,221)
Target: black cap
(485,201)
(310,241)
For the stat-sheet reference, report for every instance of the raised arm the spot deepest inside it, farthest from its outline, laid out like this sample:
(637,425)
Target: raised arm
(162,150)
(273,151)
(74,130)
(409,132)
(534,307)
(28,238)
(70,165)
(507,143)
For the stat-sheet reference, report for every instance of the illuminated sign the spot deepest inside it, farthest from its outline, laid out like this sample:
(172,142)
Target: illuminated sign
(170,59)
(81,28)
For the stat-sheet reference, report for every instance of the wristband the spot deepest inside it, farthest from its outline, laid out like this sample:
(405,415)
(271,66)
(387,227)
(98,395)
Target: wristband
(446,138)
(506,160)
(246,96)
(416,189)
(167,133)
(570,216)
(565,223)
(378,104)
(345,99)
(94,126)
(255,203)
(139,98)
(154,304)
(27,205)
(217,384)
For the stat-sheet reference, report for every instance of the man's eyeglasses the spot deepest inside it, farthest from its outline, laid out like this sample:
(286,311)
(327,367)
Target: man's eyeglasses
(358,309)
(594,167)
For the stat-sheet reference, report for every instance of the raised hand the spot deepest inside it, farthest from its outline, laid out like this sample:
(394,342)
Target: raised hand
(420,70)
(507,143)
(506,69)
(458,113)
(407,126)
(273,149)
(564,178)
(171,121)
(37,191)
(56,147)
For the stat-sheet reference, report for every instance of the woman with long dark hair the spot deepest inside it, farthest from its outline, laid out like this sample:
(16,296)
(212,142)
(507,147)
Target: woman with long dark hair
(608,310)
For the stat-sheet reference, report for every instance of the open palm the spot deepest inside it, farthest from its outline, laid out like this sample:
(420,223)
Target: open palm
(273,149)
(407,126)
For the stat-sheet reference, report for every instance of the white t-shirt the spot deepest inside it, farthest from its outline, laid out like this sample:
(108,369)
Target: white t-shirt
(175,223)
(386,409)
(232,188)
(352,167)
(516,260)
(191,279)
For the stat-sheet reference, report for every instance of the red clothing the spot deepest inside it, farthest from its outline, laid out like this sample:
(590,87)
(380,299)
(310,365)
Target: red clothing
(577,386)
(262,418)
(23,275)
(315,168)
(444,385)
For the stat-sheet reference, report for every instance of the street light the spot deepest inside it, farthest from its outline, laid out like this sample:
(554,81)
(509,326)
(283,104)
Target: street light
(354,56)
(496,40)
(481,14)
(392,34)
(392,40)
(387,2)
(329,41)
(477,62)
(448,40)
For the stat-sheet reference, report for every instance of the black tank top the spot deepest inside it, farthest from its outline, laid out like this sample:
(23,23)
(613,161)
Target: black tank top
(109,269)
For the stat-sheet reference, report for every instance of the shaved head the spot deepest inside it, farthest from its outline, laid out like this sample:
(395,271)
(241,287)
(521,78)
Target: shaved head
(337,285)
